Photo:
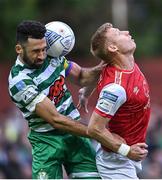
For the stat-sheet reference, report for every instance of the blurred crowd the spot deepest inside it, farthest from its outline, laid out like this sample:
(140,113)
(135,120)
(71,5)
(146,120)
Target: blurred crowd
(15,150)
(153,163)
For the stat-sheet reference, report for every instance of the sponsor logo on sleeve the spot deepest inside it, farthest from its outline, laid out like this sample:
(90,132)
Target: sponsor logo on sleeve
(20,85)
(109,96)
(29,94)
(107,102)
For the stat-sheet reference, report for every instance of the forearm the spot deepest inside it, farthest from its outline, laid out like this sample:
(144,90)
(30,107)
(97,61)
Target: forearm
(47,111)
(97,130)
(89,76)
(69,125)
(84,76)
(107,139)
(118,145)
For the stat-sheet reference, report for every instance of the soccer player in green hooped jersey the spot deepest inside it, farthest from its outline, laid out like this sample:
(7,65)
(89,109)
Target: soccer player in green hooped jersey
(37,87)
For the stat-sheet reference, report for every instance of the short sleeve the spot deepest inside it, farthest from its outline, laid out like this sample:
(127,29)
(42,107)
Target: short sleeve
(26,95)
(111,97)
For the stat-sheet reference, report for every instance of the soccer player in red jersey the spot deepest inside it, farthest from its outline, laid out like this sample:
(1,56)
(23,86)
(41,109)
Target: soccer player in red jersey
(120,118)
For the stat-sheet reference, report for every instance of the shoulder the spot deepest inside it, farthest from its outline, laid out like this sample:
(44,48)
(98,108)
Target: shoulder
(18,73)
(113,87)
(113,92)
(111,97)
(19,82)
(110,74)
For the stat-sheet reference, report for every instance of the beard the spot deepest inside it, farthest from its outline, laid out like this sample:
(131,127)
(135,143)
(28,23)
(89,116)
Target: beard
(29,63)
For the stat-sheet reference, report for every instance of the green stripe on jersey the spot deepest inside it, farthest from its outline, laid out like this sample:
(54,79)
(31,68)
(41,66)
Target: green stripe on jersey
(51,78)
(39,71)
(16,69)
(68,110)
(43,80)
(15,90)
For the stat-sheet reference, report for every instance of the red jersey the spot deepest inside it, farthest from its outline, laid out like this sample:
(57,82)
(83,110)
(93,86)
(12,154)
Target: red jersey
(124,97)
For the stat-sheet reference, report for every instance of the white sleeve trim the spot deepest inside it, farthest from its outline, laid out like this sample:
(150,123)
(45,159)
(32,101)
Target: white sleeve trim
(31,107)
(111,97)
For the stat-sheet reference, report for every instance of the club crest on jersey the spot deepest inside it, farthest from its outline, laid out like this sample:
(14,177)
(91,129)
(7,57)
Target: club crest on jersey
(42,175)
(136,90)
(57,91)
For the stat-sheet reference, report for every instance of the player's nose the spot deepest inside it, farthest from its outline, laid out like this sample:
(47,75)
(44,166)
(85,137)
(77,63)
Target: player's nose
(42,55)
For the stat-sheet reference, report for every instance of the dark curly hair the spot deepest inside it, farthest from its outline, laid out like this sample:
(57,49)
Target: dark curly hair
(29,29)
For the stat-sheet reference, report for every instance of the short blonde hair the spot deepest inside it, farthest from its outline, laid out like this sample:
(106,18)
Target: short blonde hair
(99,41)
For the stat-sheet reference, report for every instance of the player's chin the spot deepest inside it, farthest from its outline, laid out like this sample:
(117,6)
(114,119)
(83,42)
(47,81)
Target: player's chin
(38,65)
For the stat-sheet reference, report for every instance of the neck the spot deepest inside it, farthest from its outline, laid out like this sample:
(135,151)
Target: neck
(124,62)
(20,58)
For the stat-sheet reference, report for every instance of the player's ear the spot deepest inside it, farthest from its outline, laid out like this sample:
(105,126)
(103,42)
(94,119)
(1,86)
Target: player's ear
(18,48)
(112,48)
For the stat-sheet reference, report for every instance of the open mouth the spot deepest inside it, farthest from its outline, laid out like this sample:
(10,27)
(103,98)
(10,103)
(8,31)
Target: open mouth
(40,62)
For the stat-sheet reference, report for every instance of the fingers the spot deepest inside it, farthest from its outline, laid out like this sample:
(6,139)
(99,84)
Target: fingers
(138,151)
(102,63)
(100,66)
(143,155)
(86,109)
(78,106)
(142,145)
(83,105)
(143,148)
(83,100)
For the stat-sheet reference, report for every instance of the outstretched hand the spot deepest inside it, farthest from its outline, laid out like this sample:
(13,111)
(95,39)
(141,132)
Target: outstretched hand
(138,151)
(83,100)
(85,92)
(100,66)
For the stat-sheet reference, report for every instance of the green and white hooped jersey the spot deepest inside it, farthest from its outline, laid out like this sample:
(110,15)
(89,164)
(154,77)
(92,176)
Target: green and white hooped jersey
(27,87)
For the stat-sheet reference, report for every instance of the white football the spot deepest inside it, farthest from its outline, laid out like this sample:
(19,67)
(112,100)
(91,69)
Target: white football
(60,39)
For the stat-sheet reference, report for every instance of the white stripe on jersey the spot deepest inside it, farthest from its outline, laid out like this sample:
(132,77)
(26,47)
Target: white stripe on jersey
(73,114)
(26,95)
(118,76)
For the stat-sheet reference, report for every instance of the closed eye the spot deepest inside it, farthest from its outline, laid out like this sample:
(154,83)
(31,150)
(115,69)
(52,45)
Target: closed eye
(117,32)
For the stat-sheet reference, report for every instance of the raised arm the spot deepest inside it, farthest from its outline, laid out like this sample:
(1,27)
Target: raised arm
(85,76)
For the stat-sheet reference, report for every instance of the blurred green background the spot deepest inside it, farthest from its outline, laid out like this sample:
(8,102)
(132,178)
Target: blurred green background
(141,17)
